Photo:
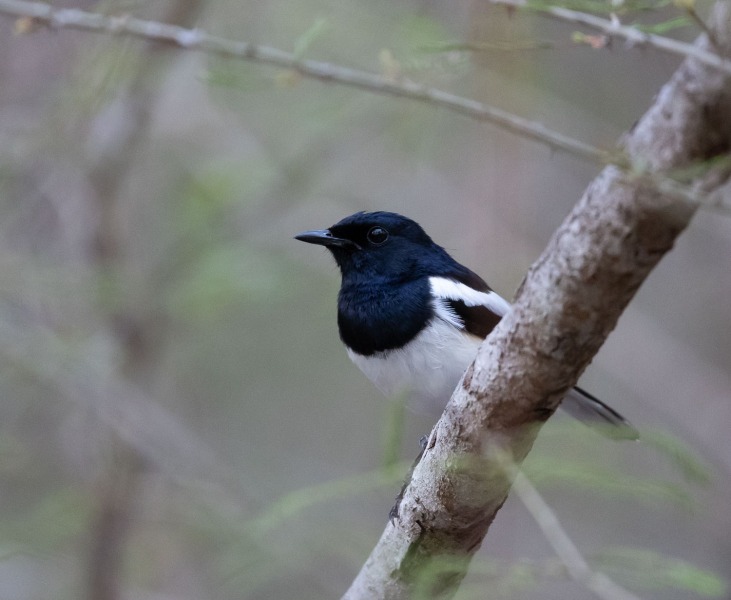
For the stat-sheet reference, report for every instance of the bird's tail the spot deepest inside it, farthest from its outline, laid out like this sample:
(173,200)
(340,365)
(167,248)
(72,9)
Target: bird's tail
(593,412)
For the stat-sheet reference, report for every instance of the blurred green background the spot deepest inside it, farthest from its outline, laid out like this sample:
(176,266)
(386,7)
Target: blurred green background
(179,419)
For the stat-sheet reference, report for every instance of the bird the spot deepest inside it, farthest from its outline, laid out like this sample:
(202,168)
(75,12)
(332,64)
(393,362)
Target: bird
(412,317)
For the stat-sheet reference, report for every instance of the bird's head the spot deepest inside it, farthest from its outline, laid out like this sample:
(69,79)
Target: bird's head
(378,244)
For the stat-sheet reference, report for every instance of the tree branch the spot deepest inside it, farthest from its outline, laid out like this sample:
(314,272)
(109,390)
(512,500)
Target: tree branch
(569,302)
(614,28)
(197,39)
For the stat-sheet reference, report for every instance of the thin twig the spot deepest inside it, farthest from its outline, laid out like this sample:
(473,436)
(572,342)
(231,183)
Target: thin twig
(633,35)
(696,18)
(197,39)
(576,566)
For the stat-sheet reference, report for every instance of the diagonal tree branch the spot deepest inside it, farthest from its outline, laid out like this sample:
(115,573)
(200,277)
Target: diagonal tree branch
(569,302)
(633,35)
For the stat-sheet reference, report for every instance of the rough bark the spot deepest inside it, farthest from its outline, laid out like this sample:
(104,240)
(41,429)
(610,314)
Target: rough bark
(568,304)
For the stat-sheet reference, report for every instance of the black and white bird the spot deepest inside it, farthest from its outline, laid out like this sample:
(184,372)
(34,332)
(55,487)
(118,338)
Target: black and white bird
(412,317)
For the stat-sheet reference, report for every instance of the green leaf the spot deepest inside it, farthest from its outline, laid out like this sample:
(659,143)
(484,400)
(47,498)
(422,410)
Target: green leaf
(602,7)
(303,43)
(664,27)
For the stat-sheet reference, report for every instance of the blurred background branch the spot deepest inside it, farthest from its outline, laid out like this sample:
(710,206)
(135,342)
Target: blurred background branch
(137,334)
(576,565)
(196,39)
(613,27)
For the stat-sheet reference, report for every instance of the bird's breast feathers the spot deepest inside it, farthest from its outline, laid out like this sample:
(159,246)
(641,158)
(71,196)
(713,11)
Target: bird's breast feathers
(431,364)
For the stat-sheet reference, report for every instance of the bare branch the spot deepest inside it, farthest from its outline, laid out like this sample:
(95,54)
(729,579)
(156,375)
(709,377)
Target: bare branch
(568,304)
(633,35)
(197,39)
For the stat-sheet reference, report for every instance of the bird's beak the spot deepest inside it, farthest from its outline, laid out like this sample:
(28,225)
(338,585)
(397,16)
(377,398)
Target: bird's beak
(323,237)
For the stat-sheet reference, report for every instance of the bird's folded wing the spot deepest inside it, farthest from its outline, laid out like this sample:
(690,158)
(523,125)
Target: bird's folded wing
(467,302)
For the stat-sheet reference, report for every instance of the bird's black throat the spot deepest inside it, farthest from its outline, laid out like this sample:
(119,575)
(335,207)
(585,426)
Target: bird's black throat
(380,317)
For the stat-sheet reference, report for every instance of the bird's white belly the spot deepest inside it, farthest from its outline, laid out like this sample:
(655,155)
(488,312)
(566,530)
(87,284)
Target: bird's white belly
(429,367)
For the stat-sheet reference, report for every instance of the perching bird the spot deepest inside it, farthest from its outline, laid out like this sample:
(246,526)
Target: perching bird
(412,317)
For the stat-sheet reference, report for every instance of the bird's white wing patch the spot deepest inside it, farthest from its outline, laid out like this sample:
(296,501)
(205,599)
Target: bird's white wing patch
(441,287)
(446,313)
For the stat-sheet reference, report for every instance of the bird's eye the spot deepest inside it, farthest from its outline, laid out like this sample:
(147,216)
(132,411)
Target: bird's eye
(377,235)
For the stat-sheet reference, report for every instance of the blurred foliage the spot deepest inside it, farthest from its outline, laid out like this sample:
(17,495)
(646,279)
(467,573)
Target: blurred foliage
(683,459)
(650,570)
(601,7)
(688,473)
(639,569)
(214,270)
(664,27)
(582,475)
(50,525)
(222,279)
(643,9)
